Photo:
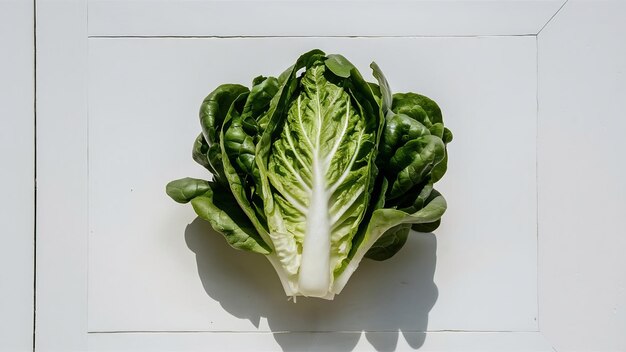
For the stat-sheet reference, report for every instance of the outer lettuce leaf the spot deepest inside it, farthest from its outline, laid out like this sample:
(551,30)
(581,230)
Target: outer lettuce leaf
(339,65)
(394,239)
(236,178)
(199,153)
(440,169)
(415,199)
(381,221)
(214,109)
(413,157)
(254,114)
(408,154)
(242,131)
(220,208)
(217,205)
(418,107)
(213,112)
(384,89)
(427,112)
(389,243)
(398,130)
(427,227)
(413,162)
(186,189)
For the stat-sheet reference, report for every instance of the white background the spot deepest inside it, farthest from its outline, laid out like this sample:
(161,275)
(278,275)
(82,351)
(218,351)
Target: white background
(537,114)
(17,166)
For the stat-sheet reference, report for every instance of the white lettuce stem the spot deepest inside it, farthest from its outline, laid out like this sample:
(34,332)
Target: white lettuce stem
(314,275)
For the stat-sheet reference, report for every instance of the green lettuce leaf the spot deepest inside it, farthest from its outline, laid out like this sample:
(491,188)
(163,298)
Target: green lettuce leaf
(217,206)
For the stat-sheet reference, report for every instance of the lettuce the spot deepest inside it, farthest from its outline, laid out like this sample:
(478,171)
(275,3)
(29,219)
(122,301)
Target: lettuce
(317,169)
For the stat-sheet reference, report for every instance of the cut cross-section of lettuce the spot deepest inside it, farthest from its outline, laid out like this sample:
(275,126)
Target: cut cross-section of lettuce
(317,169)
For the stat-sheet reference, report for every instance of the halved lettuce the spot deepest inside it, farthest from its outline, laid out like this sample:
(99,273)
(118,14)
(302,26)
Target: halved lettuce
(316,169)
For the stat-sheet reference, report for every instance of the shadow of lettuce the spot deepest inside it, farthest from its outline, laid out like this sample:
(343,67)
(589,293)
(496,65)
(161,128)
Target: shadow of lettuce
(394,296)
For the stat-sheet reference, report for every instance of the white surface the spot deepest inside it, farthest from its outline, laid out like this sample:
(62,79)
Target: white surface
(582,169)
(318,18)
(324,342)
(61,175)
(17,160)
(581,267)
(144,276)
